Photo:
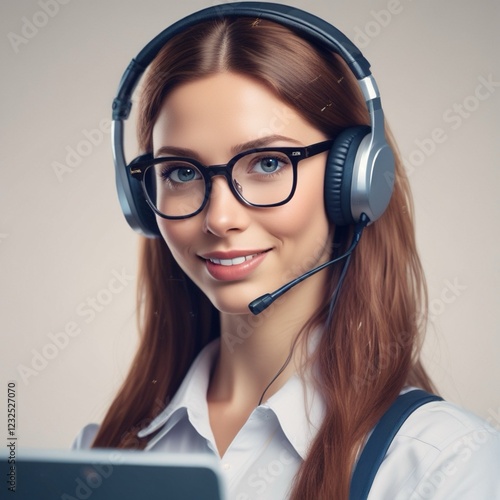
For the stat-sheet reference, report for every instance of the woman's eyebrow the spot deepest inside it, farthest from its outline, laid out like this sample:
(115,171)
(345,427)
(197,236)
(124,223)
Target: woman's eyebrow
(261,142)
(175,151)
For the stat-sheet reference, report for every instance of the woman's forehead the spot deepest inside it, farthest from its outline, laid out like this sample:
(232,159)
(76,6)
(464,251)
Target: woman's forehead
(227,110)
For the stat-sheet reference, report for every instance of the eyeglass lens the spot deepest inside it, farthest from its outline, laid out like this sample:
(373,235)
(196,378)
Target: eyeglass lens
(177,187)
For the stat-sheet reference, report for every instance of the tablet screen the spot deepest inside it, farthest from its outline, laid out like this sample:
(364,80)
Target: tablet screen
(112,474)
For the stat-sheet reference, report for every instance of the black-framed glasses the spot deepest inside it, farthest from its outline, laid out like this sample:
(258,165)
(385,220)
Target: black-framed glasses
(178,187)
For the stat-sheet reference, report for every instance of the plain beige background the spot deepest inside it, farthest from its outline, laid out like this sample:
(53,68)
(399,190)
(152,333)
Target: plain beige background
(68,258)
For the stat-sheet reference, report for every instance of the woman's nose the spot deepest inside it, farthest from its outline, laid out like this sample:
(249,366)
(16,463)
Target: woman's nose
(224,213)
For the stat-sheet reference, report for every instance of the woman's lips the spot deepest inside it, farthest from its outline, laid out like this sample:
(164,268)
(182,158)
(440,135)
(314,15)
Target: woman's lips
(232,266)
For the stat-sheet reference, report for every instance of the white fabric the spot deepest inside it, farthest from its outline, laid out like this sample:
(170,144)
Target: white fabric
(440,452)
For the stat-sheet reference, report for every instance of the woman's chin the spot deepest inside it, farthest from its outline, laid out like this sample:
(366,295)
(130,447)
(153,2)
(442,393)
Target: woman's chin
(234,306)
(232,301)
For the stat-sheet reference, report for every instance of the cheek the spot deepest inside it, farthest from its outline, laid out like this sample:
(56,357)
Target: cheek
(303,219)
(178,234)
(307,207)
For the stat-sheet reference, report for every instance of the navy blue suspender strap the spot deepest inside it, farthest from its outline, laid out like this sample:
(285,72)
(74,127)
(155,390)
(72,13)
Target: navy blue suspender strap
(379,441)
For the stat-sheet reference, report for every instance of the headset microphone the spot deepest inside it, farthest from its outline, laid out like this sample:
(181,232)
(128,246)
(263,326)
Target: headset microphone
(264,301)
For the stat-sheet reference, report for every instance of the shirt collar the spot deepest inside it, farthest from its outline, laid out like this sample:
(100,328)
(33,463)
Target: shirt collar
(192,393)
(300,411)
(298,407)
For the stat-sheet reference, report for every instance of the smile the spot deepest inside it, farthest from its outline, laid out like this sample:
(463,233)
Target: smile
(233,265)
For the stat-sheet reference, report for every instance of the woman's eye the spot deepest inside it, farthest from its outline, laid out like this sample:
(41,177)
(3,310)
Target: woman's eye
(183,175)
(180,175)
(268,165)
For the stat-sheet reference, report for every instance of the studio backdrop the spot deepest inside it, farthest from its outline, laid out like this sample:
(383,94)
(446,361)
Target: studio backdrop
(68,260)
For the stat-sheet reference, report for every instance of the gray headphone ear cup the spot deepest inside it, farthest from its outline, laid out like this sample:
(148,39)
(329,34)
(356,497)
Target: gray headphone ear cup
(338,174)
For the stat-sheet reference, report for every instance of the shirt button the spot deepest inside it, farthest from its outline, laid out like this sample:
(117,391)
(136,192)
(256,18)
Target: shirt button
(226,466)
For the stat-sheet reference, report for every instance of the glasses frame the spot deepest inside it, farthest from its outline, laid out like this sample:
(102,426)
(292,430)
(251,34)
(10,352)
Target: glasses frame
(141,164)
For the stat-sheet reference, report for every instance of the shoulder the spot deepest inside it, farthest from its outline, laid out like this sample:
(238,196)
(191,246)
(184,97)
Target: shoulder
(441,451)
(85,437)
(442,423)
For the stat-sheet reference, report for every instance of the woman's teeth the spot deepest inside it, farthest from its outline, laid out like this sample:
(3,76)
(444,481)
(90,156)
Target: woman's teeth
(232,262)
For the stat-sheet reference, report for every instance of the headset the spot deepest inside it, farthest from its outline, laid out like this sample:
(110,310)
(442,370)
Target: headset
(359,173)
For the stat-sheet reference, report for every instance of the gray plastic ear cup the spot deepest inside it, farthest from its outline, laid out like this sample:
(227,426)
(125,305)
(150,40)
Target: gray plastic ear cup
(338,174)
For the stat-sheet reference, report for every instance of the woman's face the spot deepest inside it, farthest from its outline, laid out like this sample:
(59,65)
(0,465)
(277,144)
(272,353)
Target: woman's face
(233,252)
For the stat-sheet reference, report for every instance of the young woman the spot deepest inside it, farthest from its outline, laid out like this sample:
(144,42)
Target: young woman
(287,398)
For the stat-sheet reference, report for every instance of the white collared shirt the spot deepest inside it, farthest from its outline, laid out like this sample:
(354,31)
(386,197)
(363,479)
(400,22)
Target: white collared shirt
(440,452)
(264,457)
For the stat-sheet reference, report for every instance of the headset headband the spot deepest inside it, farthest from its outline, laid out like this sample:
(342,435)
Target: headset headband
(305,24)
(309,26)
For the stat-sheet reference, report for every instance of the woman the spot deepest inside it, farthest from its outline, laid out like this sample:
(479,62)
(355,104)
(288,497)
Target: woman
(286,398)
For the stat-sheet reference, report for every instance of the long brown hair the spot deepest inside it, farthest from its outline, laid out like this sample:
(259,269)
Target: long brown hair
(370,346)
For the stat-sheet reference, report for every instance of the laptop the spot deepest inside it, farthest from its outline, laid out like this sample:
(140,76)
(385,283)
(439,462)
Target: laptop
(109,474)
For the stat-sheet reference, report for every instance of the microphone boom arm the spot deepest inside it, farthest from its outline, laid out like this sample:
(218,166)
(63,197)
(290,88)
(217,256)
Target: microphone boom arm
(264,301)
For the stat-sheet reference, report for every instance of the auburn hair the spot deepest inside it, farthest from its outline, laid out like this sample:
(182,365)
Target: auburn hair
(369,349)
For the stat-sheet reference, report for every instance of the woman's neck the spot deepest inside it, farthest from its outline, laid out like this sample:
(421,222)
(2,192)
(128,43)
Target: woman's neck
(254,349)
